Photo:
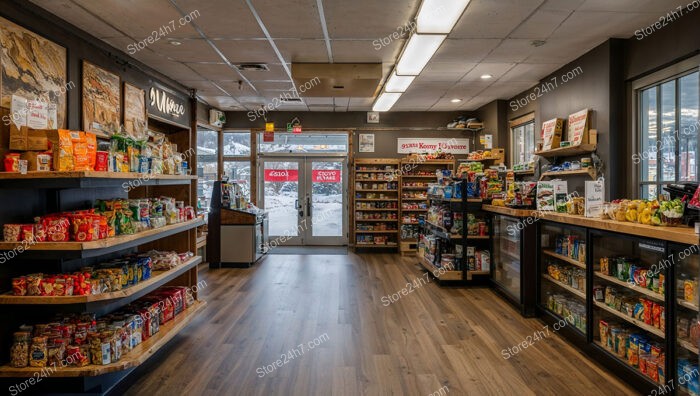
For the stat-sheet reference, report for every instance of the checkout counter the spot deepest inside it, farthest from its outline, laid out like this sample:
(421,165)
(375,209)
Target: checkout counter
(238,231)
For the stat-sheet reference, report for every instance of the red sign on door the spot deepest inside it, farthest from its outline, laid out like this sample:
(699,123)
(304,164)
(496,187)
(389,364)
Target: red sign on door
(281,175)
(326,176)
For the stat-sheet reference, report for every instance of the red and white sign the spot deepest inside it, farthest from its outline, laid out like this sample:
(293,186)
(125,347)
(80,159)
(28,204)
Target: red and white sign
(432,146)
(326,176)
(281,175)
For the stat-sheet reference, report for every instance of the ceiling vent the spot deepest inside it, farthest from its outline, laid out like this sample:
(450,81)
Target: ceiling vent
(357,80)
(244,67)
(292,100)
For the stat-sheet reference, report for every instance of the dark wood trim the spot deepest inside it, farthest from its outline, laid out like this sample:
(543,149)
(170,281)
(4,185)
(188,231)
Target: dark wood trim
(530,117)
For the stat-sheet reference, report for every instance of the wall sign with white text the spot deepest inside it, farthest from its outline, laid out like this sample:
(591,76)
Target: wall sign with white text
(432,145)
(168,105)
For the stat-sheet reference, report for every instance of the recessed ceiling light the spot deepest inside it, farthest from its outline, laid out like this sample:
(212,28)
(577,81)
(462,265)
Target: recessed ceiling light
(175,42)
(456,100)
(486,76)
(439,16)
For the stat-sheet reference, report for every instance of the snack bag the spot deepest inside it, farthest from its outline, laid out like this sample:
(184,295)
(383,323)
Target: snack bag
(62,148)
(91,142)
(80,151)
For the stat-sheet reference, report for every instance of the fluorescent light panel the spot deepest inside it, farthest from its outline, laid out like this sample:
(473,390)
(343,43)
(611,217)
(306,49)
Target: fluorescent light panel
(417,54)
(439,16)
(386,101)
(398,83)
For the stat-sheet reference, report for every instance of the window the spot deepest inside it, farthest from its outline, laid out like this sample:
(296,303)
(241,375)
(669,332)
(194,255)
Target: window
(239,172)
(207,164)
(305,143)
(523,139)
(236,144)
(668,133)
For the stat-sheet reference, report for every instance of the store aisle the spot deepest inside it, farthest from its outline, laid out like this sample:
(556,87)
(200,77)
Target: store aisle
(327,316)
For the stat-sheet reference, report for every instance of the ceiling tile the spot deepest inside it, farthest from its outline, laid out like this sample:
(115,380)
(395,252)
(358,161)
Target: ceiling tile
(318,101)
(541,24)
(290,18)
(247,51)
(493,19)
(321,108)
(215,71)
(495,69)
(529,72)
(226,19)
(368,19)
(143,19)
(76,15)
(188,51)
(469,89)
(175,70)
(649,6)
(356,51)
(561,5)
(276,72)
(470,51)
(587,24)
(303,51)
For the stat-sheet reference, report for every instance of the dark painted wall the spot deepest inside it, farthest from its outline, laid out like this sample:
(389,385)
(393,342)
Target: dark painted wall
(392,126)
(79,46)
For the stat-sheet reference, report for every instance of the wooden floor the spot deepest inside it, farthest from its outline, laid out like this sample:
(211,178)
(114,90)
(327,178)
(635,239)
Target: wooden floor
(430,338)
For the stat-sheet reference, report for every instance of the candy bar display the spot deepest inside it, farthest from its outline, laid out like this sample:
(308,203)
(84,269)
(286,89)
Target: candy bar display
(386,186)
(376,216)
(376,227)
(634,348)
(573,277)
(628,270)
(643,309)
(572,310)
(108,277)
(377,205)
(571,246)
(374,240)
(109,218)
(80,340)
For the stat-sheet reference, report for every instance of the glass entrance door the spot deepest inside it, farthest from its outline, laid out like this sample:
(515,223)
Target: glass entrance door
(306,200)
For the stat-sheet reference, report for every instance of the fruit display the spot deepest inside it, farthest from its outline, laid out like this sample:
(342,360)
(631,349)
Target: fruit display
(667,213)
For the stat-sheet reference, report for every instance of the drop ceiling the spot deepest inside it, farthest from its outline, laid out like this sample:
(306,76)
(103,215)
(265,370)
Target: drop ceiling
(492,37)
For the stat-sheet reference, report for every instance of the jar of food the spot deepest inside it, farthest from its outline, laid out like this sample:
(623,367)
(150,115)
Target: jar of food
(19,353)
(106,347)
(115,342)
(38,352)
(55,352)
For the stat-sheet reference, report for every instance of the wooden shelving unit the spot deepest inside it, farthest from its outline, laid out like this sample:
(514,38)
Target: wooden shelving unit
(65,191)
(416,171)
(566,287)
(376,194)
(629,319)
(566,259)
(627,285)
(567,151)
(590,171)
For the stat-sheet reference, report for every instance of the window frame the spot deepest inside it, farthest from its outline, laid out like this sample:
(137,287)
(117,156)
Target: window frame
(521,121)
(655,81)
(237,157)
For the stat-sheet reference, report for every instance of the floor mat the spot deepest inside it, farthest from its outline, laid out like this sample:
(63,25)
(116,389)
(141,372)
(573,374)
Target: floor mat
(311,250)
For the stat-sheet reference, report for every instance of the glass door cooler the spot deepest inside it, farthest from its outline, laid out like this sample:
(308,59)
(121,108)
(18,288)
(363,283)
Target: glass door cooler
(506,254)
(563,275)
(686,262)
(630,305)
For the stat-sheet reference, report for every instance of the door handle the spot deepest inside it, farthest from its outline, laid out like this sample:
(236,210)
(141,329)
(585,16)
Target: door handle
(299,208)
(308,206)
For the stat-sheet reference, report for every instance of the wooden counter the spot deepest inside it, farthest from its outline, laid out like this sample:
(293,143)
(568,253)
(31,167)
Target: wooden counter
(685,235)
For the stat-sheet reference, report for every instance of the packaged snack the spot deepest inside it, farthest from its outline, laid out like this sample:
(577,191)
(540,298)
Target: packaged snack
(648,308)
(39,232)
(604,329)
(662,319)
(19,286)
(12,232)
(639,311)
(643,362)
(12,162)
(662,280)
(19,352)
(653,369)
(38,352)
(62,146)
(690,290)
(91,146)
(656,315)
(27,232)
(633,350)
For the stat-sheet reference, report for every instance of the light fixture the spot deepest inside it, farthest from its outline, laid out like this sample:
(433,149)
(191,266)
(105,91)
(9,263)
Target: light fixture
(386,101)
(398,83)
(486,76)
(456,100)
(417,53)
(174,42)
(439,16)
